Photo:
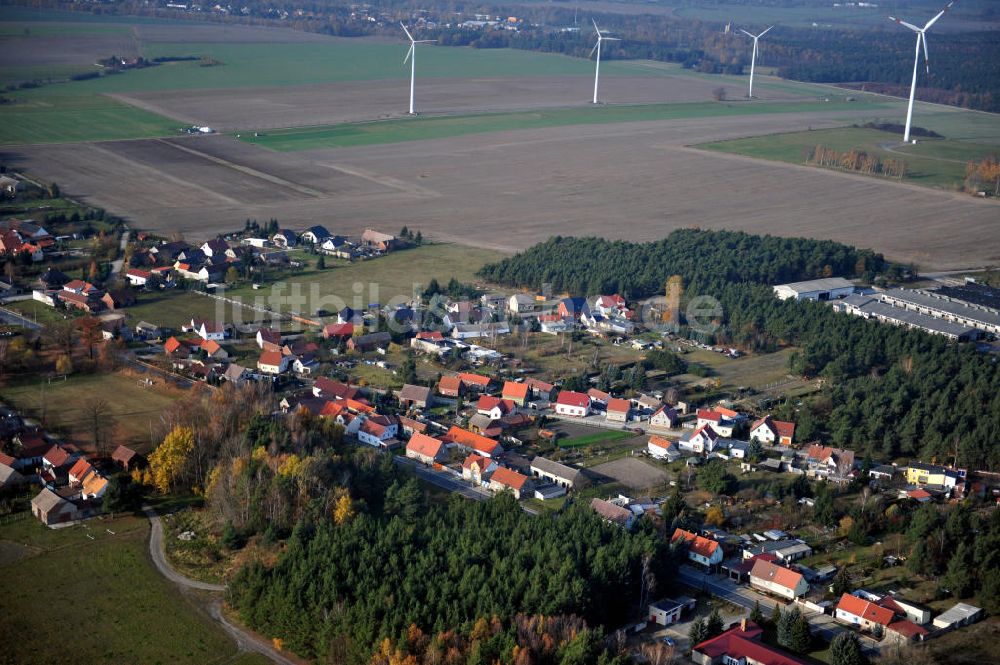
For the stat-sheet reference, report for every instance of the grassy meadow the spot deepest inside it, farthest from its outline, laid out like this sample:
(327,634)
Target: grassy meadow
(421,128)
(102,595)
(931,162)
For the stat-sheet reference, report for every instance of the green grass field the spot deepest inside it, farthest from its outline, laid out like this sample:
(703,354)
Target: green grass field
(605,436)
(413,129)
(376,280)
(132,406)
(932,162)
(99,600)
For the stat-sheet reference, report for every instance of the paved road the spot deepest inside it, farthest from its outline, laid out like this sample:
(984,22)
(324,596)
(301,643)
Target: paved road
(443,479)
(7,316)
(722,587)
(245,641)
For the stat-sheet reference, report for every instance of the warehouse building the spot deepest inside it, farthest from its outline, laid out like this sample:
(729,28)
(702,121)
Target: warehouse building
(871,307)
(944,307)
(829,288)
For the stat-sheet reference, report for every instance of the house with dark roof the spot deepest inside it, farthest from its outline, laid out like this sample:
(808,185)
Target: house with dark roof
(285,238)
(369,342)
(315,235)
(612,513)
(415,396)
(560,474)
(572,308)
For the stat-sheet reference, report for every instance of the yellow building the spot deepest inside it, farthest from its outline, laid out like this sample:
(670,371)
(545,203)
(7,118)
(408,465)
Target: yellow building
(930,474)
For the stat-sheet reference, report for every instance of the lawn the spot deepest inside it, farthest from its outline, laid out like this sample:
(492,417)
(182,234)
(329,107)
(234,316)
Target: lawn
(36,311)
(105,592)
(358,284)
(932,162)
(60,404)
(604,436)
(176,307)
(420,128)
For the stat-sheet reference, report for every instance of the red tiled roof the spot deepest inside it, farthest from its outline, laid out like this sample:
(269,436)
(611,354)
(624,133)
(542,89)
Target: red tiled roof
(171,345)
(508,478)
(338,329)
(540,386)
(271,358)
(358,405)
(80,469)
(488,403)
(660,442)
(515,390)
(779,575)
(123,454)
(373,427)
(450,383)
(709,414)
(56,456)
(473,458)
(332,409)
(740,644)
(330,387)
(474,379)
(864,609)
(594,393)
(424,445)
(907,629)
(477,442)
(135,272)
(619,405)
(699,545)
(210,346)
(785,429)
(435,335)
(7,459)
(570,398)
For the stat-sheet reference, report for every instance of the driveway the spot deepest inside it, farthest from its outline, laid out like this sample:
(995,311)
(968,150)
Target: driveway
(245,641)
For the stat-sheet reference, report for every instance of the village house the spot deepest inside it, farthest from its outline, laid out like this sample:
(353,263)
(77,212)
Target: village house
(425,449)
(701,441)
(338,331)
(862,613)
(661,448)
(741,645)
(719,421)
(770,431)
(705,552)
(473,442)
(451,386)
(560,474)
(830,463)
(209,330)
(618,410)
(504,479)
(475,382)
(477,468)
(9,477)
(138,277)
(273,363)
(522,303)
(612,513)
(572,308)
(516,392)
(285,238)
(663,419)
(493,407)
(381,242)
(369,342)
(315,235)
(776,580)
(215,249)
(305,364)
(918,473)
(575,404)
(213,350)
(665,612)
(378,431)
(330,389)
(50,508)
(127,458)
(410,396)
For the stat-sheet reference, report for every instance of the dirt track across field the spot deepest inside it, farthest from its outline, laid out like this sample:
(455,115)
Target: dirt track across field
(509,190)
(356,101)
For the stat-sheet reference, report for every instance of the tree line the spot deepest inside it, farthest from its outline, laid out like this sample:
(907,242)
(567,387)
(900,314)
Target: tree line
(857,161)
(888,391)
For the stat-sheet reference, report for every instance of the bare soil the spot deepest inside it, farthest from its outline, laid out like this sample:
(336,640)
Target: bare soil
(356,101)
(509,190)
(634,473)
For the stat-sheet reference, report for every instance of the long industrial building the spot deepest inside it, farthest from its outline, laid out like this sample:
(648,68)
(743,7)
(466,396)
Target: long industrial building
(829,288)
(871,307)
(943,307)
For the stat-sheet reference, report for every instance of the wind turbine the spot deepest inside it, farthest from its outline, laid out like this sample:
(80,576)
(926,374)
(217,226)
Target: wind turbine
(753,58)
(597,47)
(411,55)
(921,39)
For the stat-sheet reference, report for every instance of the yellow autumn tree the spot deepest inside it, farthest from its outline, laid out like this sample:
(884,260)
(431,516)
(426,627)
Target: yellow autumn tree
(715,516)
(343,509)
(64,365)
(168,460)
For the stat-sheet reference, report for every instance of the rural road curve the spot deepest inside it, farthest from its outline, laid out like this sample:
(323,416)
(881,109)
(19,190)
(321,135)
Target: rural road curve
(116,265)
(245,641)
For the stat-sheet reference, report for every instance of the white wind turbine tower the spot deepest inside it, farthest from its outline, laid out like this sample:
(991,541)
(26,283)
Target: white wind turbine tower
(753,58)
(411,55)
(921,40)
(597,47)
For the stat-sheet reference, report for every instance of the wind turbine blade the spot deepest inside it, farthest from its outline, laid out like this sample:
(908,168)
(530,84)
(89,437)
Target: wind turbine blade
(596,29)
(408,35)
(763,33)
(905,24)
(927,60)
(612,39)
(425,41)
(409,52)
(594,49)
(748,34)
(940,14)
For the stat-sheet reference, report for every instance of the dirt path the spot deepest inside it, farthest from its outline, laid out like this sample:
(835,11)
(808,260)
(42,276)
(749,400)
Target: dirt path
(245,641)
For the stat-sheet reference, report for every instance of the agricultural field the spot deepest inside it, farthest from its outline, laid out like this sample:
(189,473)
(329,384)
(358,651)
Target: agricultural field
(106,589)
(931,163)
(60,404)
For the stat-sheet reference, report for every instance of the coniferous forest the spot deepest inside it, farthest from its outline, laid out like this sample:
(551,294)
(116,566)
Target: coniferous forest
(888,391)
